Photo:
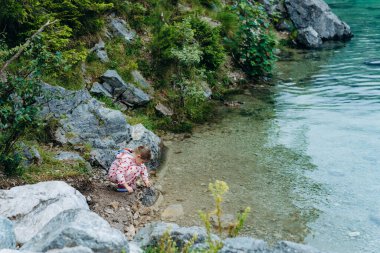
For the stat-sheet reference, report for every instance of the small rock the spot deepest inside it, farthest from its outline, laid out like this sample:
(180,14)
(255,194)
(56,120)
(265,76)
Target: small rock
(109,210)
(136,216)
(130,231)
(173,212)
(115,205)
(145,211)
(163,110)
(88,198)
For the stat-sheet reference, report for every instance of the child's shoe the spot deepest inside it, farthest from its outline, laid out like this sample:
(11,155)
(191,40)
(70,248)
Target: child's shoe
(121,188)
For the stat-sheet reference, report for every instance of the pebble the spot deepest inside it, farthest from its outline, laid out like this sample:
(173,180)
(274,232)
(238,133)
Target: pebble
(114,204)
(109,210)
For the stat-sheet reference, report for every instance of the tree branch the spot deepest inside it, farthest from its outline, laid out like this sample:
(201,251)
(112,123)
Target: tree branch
(3,76)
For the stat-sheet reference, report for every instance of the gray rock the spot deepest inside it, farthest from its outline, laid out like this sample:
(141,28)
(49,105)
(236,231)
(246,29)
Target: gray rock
(143,137)
(30,155)
(100,51)
(149,197)
(309,38)
(30,207)
(318,15)
(99,89)
(78,249)
(292,247)
(164,110)
(139,79)
(133,248)
(125,92)
(7,234)
(119,28)
(63,156)
(150,235)
(244,244)
(78,227)
(285,25)
(103,157)
(84,120)
(15,251)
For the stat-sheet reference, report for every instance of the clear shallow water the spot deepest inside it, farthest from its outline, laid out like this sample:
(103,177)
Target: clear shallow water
(329,109)
(303,154)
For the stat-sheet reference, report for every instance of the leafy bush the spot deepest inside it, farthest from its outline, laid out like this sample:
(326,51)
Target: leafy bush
(19,91)
(19,18)
(254,44)
(191,43)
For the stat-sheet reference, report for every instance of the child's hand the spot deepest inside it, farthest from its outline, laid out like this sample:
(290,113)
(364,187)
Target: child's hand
(147,183)
(130,189)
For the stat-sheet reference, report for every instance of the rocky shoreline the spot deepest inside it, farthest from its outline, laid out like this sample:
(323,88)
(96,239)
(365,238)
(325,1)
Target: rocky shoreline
(55,217)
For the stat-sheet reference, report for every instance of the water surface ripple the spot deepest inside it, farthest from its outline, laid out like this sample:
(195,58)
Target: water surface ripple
(336,98)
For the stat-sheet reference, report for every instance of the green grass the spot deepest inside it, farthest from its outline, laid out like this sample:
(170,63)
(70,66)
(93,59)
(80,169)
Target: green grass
(52,169)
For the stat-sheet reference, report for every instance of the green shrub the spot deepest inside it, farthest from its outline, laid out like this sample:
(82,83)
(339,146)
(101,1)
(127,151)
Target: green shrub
(19,91)
(254,43)
(19,18)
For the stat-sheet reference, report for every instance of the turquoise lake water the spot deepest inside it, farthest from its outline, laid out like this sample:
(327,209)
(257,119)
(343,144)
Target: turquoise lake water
(328,107)
(302,153)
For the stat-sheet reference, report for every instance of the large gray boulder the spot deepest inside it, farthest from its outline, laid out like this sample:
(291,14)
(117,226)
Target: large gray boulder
(84,120)
(140,136)
(31,207)
(7,234)
(78,227)
(244,244)
(309,38)
(317,15)
(151,234)
(125,92)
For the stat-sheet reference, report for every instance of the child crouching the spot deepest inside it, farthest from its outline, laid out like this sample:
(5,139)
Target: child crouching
(129,164)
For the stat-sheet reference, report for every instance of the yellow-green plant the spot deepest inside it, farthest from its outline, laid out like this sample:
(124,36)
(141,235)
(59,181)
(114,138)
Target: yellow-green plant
(218,189)
(234,230)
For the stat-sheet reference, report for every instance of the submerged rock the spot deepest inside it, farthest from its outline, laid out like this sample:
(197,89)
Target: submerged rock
(78,227)
(31,207)
(292,247)
(373,62)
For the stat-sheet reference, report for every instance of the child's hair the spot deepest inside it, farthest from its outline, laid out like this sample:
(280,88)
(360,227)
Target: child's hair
(143,152)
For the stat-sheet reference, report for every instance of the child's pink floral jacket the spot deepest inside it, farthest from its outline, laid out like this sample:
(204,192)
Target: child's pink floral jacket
(125,170)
